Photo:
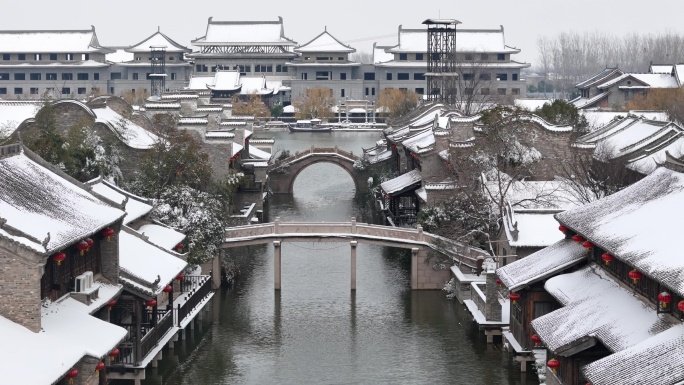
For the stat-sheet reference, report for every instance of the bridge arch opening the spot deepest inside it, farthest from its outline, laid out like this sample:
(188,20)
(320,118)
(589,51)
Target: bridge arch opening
(334,176)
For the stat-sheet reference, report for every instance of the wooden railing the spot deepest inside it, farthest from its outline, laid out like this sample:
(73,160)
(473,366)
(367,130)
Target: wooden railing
(459,252)
(151,339)
(200,287)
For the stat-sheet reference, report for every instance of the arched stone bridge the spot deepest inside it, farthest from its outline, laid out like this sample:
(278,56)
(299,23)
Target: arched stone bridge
(283,173)
(423,276)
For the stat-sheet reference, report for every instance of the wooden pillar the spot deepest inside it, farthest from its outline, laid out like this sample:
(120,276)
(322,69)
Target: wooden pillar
(353,264)
(276,266)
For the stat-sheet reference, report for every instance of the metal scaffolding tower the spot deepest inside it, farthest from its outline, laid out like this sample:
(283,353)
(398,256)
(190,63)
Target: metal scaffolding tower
(442,74)
(157,70)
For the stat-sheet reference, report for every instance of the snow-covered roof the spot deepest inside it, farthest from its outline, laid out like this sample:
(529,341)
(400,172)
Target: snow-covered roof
(254,85)
(532,229)
(650,80)
(158,39)
(161,235)
(635,225)
(36,201)
(219,135)
(594,307)
(136,207)
(599,77)
(380,54)
(420,143)
(581,102)
(551,194)
(239,33)
(598,119)
(130,133)
(542,264)
(660,68)
(14,113)
(289,109)
(200,82)
(223,81)
(119,55)
(143,263)
(422,194)
(398,184)
(653,156)
(325,42)
(657,360)
(66,41)
(256,153)
(467,40)
(68,334)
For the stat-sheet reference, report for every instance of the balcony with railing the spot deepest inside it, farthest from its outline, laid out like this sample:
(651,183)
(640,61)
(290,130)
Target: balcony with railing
(147,336)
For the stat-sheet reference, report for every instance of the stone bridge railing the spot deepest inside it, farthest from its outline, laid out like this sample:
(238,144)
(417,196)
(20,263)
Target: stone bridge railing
(341,231)
(317,150)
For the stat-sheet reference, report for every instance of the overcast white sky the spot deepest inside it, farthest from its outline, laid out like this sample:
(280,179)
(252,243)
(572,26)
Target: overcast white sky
(356,22)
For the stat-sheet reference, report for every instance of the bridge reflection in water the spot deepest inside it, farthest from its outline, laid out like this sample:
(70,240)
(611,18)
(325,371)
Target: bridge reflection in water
(423,276)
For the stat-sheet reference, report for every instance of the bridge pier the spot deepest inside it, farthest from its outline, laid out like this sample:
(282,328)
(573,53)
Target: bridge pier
(276,266)
(353,265)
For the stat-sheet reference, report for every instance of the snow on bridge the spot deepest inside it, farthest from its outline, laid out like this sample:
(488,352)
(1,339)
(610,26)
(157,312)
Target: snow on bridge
(423,276)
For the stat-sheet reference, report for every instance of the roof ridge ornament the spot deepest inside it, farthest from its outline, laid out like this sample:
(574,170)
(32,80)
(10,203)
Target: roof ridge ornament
(46,240)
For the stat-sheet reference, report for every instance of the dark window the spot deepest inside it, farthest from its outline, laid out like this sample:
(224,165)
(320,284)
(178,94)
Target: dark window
(420,91)
(343,76)
(70,56)
(51,76)
(53,56)
(111,90)
(485,77)
(389,76)
(373,91)
(115,76)
(340,58)
(467,76)
(38,56)
(5,56)
(82,76)
(22,56)
(403,56)
(468,91)
(501,56)
(515,77)
(484,91)
(4,76)
(96,76)
(86,56)
(418,76)
(323,58)
(435,56)
(501,77)
(542,308)
(366,91)
(419,56)
(173,76)
(515,91)
(369,76)
(3,91)
(34,91)
(342,92)
(501,91)
(323,75)
(135,76)
(81,90)
(67,76)
(66,91)
(402,76)
(35,76)
(484,56)
(20,76)
(281,68)
(469,56)
(18,91)
(305,76)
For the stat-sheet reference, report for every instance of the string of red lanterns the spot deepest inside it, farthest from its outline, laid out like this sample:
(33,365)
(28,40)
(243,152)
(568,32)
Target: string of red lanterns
(100,366)
(607,258)
(71,374)
(108,232)
(664,299)
(59,257)
(635,275)
(578,238)
(112,355)
(82,246)
(563,229)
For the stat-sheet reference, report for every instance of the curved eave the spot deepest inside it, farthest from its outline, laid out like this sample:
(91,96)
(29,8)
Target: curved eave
(245,43)
(213,88)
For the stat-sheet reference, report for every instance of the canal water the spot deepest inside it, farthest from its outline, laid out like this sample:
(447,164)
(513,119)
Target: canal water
(315,330)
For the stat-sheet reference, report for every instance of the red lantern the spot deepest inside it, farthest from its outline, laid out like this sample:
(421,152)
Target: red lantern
(498,282)
(587,245)
(179,247)
(168,289)
(108,232)
(100,366)
(664,299)
(113,354)
(59,257)
(536,339)
(71,374)
(607,258)
(82,246)
(151,303)
(111,304)
(680,305)
(563,229)
(180,276)
(553,364)
(90,243)
(577,238)
(514,297)
(635,275)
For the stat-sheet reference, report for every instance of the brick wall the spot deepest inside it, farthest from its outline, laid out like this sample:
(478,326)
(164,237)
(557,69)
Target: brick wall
(109,253)
(20,276)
